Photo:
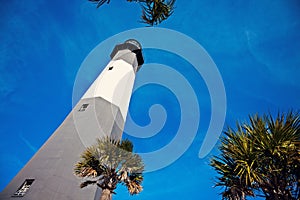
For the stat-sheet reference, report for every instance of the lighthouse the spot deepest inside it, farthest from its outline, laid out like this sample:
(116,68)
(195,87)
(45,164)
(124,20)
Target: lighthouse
(101,112)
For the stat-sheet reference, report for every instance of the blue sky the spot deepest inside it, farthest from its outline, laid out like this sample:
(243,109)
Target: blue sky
(255,45)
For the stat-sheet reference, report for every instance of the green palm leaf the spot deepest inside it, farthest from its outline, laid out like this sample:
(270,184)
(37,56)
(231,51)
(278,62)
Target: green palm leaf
(261,157)
(153,11)
(108,163)
(100,2)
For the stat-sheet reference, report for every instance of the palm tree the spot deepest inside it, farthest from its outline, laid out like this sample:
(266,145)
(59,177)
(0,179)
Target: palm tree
(153,11)
(108,163)
(261,158)
(233,165)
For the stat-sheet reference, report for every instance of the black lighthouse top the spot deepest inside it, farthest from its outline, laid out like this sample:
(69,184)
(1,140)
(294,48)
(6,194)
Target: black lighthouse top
(134,46)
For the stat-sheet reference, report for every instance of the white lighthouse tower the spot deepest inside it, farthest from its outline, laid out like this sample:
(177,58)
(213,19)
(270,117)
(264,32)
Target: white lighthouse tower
(101,112)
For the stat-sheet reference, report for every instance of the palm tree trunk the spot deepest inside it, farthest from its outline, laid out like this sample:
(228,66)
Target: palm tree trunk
(106,195)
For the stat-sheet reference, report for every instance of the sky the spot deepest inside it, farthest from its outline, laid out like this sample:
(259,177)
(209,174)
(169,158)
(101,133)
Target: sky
(254,45)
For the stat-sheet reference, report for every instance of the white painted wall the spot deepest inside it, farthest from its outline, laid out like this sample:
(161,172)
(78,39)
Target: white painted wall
(114,85)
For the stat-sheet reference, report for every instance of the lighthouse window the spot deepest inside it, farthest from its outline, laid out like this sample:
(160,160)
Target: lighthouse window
(23,189)
(110,68)
(83,107)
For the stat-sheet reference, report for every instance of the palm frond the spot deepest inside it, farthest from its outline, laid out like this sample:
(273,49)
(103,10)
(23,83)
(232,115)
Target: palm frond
(134,188)
(262,155)
(153,11)
(156,11)
(110,162)
(89,165)
(100,2)
(126,145)
(132,181)
(86,183)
